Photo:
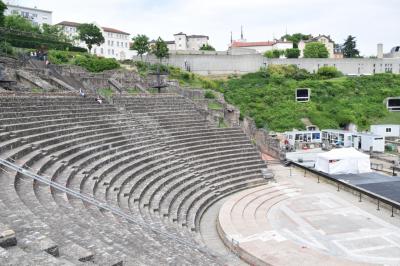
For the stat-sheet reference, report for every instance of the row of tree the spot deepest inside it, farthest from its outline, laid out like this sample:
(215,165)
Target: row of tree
(348,48)
(311,50)
(91,35)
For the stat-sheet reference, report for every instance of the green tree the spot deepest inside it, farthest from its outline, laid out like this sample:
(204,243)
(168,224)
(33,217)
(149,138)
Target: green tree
(349,47)
(3,7)
(328,72)
(292,53)
(315,50)
(140,45)
(90,34)
(273,53)
(54,31)
(160,49)
(207,47)
(296,38)
(19,23)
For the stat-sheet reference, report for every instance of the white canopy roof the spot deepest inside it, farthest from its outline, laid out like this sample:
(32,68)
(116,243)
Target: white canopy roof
(342,153)
(343,161)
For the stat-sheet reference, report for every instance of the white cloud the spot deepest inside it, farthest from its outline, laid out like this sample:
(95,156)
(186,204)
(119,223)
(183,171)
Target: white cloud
(371,21)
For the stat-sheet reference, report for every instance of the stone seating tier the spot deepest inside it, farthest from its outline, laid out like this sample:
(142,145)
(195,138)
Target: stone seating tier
(150,155)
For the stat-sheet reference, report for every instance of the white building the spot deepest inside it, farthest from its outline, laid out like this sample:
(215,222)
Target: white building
(361,141)
(338,137)
(295,138)
(116,42)
(261,47)
(394,52)
(36,16)
(369,142)
(386,130)
(325,40)
(183,42)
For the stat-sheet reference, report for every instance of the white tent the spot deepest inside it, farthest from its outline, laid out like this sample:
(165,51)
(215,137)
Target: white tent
(343,161)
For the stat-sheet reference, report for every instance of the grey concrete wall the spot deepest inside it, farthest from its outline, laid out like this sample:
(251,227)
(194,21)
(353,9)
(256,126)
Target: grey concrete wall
(214,64)
(347,66)
(240,64)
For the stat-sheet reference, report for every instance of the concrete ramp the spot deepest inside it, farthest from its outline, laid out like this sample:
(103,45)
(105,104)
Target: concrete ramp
(35,80)
(116,85)
(62,85)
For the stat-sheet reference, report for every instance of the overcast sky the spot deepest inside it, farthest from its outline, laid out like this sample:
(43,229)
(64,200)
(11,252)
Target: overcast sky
(371,21)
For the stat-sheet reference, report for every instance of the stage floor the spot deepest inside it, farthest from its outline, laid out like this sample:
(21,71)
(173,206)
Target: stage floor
(383,185)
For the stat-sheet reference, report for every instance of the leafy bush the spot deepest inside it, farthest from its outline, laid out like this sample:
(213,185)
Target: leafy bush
(328,72)
(221,123)
(209,95)
(281,72)
(34,40)
(159,67)
(37,90)
(106,92)
(292,53)
(273,53)
(133,91)
(94,63)
(214,106)
(59,57)
(268,97)
(20,23)
(6,48)
(315,50)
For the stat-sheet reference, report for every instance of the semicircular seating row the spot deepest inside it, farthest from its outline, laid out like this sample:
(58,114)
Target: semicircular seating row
(153,156)
(244,224)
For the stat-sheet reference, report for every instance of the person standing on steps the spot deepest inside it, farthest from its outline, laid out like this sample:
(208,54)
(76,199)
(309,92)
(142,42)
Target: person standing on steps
(99,100)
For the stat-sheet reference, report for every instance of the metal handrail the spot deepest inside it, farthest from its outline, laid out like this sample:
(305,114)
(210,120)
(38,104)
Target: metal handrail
(379,198)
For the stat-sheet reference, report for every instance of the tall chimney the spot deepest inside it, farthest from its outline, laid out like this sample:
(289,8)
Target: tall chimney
(379,50)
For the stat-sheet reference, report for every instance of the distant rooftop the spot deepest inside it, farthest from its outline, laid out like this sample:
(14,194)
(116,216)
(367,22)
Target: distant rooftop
(252,44)
(30,8)
(106,29)
(192,36)
(314,39)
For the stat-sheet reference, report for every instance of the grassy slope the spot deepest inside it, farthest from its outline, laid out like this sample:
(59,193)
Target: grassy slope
(333,103)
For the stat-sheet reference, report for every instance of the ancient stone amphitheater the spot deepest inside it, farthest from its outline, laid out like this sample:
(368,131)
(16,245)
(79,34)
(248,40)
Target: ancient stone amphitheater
(125,182)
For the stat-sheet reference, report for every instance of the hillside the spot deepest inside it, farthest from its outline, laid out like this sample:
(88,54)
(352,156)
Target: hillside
(269,99)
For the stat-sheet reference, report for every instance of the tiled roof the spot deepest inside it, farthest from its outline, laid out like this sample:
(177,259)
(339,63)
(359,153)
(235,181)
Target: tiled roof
(251,44)
(30,8)
(69,23)
(314,39)
(114,30)
(106,29)
(197,36)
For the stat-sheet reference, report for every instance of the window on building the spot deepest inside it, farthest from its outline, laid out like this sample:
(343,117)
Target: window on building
(108,42)
(388,130)
(112,51)
(126,45)
(108,52)
(112,43)
(117,44)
